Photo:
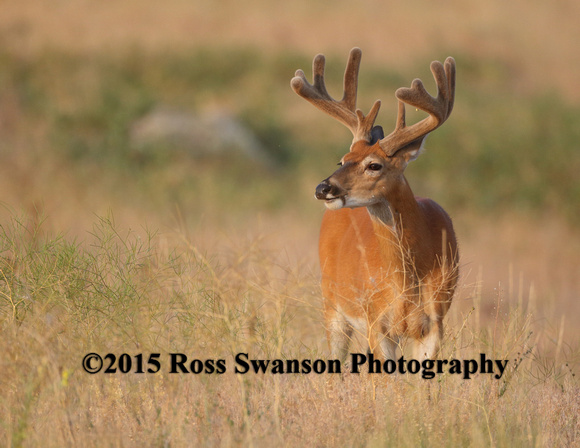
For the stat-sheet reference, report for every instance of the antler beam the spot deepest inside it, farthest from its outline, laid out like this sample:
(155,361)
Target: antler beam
(438,108)
(344,110)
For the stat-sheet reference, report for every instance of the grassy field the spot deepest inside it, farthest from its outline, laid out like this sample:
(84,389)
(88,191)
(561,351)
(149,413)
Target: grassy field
(106,247)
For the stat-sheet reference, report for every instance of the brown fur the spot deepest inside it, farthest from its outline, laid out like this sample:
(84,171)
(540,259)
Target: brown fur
(400,281)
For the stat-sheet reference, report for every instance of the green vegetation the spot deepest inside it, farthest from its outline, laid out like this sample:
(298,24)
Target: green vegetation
(500,149)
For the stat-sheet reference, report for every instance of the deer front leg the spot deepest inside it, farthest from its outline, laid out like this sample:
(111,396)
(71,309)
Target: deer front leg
(382,345)
(338,333)
(429,346)
(389,347)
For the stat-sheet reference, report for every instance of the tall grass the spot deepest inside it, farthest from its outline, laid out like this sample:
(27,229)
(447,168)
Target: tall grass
(132,292)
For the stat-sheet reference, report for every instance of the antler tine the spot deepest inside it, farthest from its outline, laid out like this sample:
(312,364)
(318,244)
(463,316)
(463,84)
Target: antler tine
(350,82)
(365,124)
(438,108)
(344,110)
(450,74)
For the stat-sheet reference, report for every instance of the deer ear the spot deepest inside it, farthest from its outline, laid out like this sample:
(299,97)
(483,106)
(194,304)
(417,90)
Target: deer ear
(411,151)
(377,134)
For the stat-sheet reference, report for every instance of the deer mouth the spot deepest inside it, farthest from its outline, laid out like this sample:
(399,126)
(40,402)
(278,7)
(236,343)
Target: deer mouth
(334,203)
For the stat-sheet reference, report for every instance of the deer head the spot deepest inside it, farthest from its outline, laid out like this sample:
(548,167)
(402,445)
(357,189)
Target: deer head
(373,168)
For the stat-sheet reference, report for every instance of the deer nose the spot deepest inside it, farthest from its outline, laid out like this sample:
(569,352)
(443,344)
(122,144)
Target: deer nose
(323,189)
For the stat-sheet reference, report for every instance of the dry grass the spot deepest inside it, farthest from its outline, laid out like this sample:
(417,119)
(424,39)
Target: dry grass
(129,294)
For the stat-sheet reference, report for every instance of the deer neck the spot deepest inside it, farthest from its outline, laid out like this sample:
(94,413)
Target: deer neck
(396,222)
(397,213)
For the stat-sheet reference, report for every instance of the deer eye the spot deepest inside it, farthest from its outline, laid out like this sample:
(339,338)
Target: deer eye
(374,166)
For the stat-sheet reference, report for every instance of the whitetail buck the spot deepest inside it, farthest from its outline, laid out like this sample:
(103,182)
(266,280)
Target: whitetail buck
(389,260)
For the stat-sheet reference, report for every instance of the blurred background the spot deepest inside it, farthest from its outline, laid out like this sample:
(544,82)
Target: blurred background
(178,115)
